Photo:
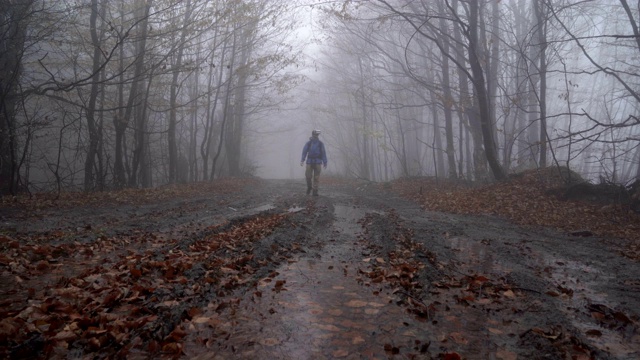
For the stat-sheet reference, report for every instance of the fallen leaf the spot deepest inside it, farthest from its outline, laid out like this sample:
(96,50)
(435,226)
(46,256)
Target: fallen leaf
(269,341)
(95,343)
(375,304)
(65,336)
(172,348)
(356,303)
(391,349)
(451,356)
(340,353)
(622,317)
(458,338)
(7,328)
(506,355)
(581,357)
(329,327)
(594,332)
(200,320)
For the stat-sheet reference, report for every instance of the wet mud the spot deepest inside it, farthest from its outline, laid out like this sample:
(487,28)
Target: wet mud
(313,307)
(358,273)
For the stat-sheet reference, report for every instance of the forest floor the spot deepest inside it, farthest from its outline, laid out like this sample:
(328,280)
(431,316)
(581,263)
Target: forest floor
(255,269)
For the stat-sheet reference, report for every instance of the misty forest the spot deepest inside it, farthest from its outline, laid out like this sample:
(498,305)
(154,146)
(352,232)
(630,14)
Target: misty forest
(103,94)
(480,198)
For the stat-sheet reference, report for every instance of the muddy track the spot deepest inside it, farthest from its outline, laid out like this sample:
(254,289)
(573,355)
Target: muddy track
(354,273)
(496,290)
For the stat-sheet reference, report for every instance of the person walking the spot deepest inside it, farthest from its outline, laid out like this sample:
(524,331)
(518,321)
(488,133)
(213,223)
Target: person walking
(316,157)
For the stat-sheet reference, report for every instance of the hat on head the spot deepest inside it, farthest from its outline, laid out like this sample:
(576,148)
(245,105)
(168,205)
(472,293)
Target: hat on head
(315,132)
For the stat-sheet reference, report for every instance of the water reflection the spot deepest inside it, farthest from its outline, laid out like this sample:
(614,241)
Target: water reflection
(316,309)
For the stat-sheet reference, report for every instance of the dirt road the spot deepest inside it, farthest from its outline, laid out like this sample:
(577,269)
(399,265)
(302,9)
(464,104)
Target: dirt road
(356,273)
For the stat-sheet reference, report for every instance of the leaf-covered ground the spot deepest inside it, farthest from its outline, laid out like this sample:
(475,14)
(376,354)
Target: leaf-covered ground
(112,273)
(246,268)
(34,202)
(528,199)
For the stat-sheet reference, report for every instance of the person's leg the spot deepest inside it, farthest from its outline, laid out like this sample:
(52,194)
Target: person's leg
(316,177)
(308,174)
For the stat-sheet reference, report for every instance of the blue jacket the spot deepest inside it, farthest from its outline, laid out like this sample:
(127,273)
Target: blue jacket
(305,151)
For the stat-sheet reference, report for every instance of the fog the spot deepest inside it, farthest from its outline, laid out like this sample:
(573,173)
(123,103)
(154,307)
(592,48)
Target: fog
(277,143)
(109,94)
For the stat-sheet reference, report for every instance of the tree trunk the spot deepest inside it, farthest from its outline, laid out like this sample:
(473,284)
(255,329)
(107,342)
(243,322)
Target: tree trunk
(364,169)
(437,138)
(13,26)
(171,134)
(447,101)
(140,164)
(494,64)
(481,94)
(89,176)
(193,124)
(235,127)
(469,108)
(638,163)
(121,121)
(119,179)
(212,105)
(226,111)
(401,133)
(542,41)
(136,98)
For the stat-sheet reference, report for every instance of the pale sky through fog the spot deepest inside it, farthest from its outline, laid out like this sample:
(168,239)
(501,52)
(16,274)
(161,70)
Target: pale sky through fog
(277,148)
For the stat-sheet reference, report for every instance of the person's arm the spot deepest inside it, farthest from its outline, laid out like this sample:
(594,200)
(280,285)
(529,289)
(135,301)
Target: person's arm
(324,155)
(305,151)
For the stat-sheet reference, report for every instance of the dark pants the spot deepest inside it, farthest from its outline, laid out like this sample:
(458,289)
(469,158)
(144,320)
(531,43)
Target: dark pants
(313,173)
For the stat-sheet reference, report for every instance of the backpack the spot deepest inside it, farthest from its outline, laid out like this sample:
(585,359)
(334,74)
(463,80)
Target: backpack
(315,150)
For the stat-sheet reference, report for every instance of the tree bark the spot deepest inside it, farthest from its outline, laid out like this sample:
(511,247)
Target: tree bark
(447,101)
(212,105)
(493,59)
(121,122)
(364,169)
(89,176)
(481,94)
(15,18)
(542,41)
(136,96)
(469,108)
(171,134)
(119,179)
(227,111)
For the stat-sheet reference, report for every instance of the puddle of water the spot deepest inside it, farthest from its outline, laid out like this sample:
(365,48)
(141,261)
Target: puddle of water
(347,217)
(322,312)
(582,279)
(476,257)
(469,321)
(262,208)
(315,309)
(577,277)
